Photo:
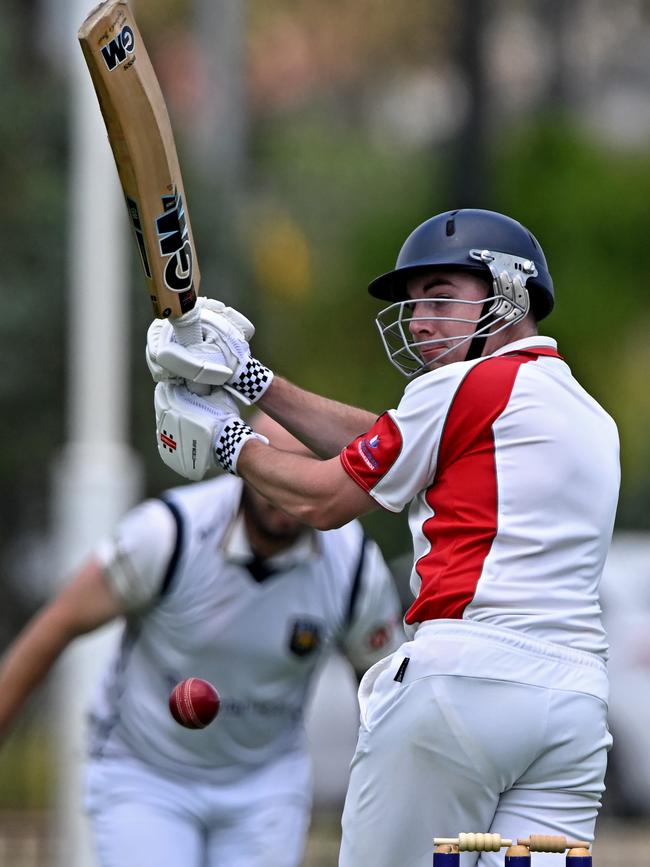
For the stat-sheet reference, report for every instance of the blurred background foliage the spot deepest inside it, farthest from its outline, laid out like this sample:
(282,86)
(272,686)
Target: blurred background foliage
(359,121)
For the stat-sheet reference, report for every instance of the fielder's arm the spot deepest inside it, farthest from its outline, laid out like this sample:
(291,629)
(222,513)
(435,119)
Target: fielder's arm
(323,425)
(318,493)
(83,605)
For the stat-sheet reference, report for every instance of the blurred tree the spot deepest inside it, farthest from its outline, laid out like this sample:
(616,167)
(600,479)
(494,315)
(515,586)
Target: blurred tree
(32,228)
(33,231)
(590,209)
(338,52)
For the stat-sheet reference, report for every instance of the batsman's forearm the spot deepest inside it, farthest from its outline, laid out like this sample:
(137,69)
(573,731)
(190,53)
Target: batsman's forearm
(27,662)
(317,493)
(323,425)
(290,481)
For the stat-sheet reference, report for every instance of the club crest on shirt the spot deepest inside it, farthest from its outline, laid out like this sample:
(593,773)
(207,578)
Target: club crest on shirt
(305,637)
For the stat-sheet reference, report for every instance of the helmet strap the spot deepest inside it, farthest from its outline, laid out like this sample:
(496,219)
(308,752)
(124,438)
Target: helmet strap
(477,343)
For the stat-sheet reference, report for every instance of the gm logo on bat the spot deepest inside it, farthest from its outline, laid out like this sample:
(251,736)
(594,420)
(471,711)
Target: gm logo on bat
(117,50)
(174,242)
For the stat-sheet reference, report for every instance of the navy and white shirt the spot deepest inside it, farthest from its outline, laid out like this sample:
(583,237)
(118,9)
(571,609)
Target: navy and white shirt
(195,609)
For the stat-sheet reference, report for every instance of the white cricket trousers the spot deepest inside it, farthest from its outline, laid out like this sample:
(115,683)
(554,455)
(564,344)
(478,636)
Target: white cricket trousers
(487,731)
(142,818)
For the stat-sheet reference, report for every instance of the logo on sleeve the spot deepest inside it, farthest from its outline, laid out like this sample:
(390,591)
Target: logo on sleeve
(366,447)
(370,456)
(305,637)
(379,637)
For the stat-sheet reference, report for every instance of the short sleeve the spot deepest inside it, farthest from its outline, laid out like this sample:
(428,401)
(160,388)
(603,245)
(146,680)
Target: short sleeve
(375,628)
(136,556)
(396,458)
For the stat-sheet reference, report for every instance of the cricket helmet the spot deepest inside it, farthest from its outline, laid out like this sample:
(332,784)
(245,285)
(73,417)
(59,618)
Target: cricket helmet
(468,239)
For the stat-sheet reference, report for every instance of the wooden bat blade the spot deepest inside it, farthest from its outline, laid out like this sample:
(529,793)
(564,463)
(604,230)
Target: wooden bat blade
(141,138)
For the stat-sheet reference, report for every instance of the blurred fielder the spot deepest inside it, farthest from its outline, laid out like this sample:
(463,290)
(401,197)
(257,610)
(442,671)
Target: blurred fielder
(493,716)
(215,582)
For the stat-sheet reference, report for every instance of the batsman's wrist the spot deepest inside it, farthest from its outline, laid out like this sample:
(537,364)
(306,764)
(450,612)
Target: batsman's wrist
(252,380)
(230,441)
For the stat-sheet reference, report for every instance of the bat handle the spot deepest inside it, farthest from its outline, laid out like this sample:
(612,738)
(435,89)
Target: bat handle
(187,329)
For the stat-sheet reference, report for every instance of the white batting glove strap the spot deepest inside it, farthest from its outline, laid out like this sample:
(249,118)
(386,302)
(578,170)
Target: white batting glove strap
(229,442)
(188,425)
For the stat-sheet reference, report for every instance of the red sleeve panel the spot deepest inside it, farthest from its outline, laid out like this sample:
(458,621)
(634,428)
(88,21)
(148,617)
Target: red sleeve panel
(367,458)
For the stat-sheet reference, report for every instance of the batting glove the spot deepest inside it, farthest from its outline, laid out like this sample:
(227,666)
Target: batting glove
(196,433)
(222,358)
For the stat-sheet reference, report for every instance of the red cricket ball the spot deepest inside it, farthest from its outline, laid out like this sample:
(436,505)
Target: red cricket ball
(194,703)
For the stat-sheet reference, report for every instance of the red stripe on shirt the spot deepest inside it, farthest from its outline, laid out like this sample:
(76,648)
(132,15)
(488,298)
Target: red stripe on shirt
(464,494)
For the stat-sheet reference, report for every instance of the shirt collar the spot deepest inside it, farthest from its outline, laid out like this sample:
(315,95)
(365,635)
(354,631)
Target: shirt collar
(537,341)
(236,548)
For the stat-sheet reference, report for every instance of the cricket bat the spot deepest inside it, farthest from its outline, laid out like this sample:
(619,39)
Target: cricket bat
(141,138)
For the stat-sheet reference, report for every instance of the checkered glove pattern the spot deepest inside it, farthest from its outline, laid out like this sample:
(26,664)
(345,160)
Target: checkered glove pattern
(252,380)
(229,442)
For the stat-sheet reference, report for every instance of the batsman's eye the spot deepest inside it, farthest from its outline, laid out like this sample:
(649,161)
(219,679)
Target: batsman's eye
(435,306)
(407,310)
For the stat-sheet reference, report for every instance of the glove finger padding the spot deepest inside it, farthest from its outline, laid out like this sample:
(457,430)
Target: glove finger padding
(201,363)
(154,335)
(223,357)
(187,426)
(250,377)
(244,325)
(223,351)
(210,362)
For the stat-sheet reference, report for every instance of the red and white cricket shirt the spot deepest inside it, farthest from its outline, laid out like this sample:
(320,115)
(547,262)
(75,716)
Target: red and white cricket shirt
(512,473)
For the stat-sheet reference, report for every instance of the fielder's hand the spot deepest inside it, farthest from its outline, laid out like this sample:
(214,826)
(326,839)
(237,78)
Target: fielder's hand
(222,358)
(196,433)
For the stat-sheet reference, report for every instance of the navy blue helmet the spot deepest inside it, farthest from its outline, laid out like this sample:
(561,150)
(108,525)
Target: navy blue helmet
(448,241)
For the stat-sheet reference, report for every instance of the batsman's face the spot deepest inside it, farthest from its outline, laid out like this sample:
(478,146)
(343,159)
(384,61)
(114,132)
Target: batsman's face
(445,309)
(268,522)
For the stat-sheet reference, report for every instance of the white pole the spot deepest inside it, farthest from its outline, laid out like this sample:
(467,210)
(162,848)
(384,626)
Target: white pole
(97,477)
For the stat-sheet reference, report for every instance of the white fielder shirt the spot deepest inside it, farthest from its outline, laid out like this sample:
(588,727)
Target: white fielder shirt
(195,610)
(512,473)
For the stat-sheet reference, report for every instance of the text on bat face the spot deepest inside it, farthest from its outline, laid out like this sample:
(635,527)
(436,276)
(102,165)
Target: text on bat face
(174,243)
(117,50)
